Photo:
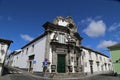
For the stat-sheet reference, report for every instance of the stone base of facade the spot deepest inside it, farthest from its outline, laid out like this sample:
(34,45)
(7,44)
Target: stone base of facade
(66,75)
(59,75)
(100,72)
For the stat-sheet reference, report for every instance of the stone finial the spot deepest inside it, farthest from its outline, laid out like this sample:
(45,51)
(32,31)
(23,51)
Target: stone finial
(67,20)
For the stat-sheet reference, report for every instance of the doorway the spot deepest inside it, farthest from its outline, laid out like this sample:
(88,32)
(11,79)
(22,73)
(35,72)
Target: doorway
(60,63)
(91,69)
(31,58)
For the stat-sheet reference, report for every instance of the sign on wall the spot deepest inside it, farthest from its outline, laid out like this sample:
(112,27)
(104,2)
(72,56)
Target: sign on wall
(34,62)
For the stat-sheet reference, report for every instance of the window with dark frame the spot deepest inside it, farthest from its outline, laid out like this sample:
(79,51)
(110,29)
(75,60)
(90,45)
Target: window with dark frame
(27,51)
(32,50)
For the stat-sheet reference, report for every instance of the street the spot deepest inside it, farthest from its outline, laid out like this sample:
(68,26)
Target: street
(14,74)
(17,74)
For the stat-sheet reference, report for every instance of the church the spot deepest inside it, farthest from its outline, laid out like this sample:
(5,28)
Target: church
(59,50)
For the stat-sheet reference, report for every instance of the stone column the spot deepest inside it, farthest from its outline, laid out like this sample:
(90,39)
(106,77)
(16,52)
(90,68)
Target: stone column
(67,63)
(47,50)
(79,64)
(73,61)
(54,60)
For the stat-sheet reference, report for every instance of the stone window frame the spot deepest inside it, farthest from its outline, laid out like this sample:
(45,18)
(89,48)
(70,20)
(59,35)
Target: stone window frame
(63,36)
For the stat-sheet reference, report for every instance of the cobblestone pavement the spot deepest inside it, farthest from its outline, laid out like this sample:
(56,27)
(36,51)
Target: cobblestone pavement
(16,75)
(101,77)
(23,76)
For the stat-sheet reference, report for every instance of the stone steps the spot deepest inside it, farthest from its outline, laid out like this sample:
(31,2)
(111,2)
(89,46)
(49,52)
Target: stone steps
(68,75)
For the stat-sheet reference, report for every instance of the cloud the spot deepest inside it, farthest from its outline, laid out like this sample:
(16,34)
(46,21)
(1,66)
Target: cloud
(105,43)
(26,37)
(95,28)
(114,27)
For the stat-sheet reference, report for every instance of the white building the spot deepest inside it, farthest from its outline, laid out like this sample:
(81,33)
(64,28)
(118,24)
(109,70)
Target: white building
(12,59)
(58,50)
(31,56)
(95,62)
(4,45)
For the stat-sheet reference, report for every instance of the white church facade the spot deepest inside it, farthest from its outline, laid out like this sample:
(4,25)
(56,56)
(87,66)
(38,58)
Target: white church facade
(59,50)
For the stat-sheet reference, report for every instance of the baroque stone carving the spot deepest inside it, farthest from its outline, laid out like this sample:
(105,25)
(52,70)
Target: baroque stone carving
(55,35)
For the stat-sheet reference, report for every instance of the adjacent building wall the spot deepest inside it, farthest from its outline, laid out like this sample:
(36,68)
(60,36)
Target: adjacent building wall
(98,64)
(115,54)
(21,60)
(3,51)
(4,45)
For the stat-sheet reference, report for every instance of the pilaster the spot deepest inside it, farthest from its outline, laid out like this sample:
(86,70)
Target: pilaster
(47,50)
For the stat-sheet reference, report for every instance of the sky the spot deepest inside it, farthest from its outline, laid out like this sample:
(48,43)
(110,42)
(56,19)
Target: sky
(98,21)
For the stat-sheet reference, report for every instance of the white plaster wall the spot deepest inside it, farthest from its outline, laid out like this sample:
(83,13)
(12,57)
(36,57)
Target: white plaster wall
(86,59)
(23,59)
(94,62)
(105,60)
(15,61)
(20,59)
(2,57)
(39,51)
(99,61)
